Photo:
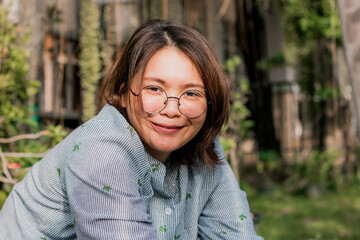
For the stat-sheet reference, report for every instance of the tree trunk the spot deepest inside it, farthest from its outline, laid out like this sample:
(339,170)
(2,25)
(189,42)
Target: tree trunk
(89,56)
(252,42)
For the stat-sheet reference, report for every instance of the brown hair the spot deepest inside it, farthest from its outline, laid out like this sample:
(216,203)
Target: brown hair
(148,39)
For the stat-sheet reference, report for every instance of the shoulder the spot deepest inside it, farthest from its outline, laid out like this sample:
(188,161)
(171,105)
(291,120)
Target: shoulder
(108,121)
(108,125)
(106,140)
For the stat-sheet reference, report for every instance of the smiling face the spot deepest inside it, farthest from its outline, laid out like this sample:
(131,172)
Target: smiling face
(167,130)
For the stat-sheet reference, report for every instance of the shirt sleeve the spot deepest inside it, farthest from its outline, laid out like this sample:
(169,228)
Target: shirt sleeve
(226,214)
(103,195)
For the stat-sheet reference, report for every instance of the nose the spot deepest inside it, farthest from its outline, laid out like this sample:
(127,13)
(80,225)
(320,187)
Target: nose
(171,109)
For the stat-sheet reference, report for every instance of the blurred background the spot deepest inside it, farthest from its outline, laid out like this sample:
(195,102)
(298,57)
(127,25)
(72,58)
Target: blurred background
(293,67)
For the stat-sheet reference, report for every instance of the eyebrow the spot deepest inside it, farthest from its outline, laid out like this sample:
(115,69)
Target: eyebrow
(161,81)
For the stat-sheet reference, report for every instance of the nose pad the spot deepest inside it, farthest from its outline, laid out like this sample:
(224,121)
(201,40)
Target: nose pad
(166,102)
(170,109)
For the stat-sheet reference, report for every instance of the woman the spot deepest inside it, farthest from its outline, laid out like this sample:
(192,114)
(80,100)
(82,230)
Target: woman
(149,165)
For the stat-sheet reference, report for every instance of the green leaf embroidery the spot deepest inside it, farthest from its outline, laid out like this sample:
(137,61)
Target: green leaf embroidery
(155,167)
(177,237)
(76,147)
(222,232)
(139,183)
(162,228)
(43,238)
(59,171)
(242,217)
(82,125)
(74,222)
(106,188)
(131,130)
(188,196)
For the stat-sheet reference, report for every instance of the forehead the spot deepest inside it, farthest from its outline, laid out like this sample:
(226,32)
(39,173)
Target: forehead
(170,66)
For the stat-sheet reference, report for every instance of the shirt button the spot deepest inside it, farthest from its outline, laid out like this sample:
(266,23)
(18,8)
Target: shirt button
(168,210)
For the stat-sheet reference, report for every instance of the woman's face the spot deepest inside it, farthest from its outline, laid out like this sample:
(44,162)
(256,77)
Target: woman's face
(168,130)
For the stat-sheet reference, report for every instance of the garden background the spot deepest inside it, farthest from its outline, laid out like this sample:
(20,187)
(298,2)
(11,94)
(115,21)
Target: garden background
(292,65)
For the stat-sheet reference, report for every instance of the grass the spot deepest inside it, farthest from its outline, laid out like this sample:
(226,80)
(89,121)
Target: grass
(334,215)
(3,197)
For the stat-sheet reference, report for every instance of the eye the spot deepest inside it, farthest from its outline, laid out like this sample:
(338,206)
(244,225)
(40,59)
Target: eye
(192,93)
(154,89)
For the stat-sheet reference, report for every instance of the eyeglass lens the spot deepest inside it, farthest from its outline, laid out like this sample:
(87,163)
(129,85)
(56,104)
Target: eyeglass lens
(191,103)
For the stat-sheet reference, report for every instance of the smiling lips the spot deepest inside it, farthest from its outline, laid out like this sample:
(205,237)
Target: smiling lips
(166,129)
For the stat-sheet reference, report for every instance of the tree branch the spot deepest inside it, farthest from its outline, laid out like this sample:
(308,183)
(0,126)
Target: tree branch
(6,180)
(24,136)
(24,154)
(223,9)
(4,167)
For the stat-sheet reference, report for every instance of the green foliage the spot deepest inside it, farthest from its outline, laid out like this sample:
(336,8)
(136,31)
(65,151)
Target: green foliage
(3,197)
(16,90)
(306,22)
(89,56)
(312,18)
(275,61)
(239,115)
(239,123)
(231,64)
(269,162)
(318,169)
(227,143)
(310,28)
(357,164)
(17,99)
(326,92)
(56,134)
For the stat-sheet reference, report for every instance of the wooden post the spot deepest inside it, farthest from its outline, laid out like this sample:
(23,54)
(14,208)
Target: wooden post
(284,89)
(165,9)
(48,94)
(118,23)
(69,88)
(349,11)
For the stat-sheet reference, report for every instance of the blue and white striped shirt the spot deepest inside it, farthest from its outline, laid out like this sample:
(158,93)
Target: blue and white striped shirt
(99,183)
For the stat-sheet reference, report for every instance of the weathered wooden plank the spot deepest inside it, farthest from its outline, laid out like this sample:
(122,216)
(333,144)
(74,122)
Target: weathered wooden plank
(349,11)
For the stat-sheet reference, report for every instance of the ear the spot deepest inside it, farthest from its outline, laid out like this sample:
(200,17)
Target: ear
(123,100)
(123,96)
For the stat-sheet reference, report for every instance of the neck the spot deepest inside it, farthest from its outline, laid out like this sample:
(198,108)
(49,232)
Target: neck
(160,156)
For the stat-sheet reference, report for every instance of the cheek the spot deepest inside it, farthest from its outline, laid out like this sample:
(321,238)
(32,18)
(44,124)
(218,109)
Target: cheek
(199,124)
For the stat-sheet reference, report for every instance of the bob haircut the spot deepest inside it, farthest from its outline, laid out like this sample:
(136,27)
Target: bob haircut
(144,43)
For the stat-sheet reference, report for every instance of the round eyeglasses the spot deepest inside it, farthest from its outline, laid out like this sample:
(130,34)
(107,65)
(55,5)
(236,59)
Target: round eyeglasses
(191,103)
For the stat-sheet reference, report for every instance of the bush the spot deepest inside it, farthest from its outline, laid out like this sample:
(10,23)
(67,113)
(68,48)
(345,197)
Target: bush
(17,103)
(314,173)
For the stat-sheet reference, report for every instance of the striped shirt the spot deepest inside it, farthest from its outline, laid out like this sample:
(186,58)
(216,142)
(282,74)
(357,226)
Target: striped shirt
(100,183)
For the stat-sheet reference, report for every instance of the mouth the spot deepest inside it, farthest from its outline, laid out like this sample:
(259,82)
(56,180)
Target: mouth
(166,129)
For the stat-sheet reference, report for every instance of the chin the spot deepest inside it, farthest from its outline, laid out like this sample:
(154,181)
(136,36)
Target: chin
(169,147)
